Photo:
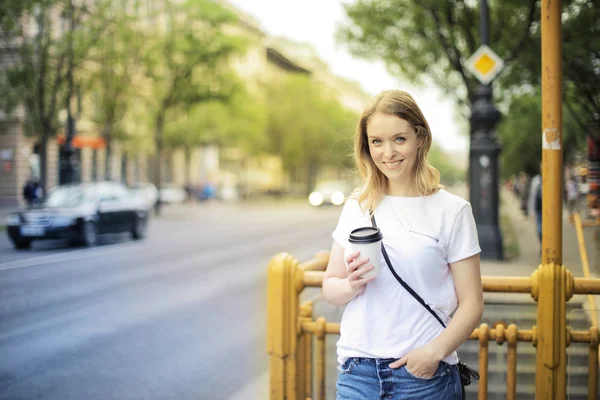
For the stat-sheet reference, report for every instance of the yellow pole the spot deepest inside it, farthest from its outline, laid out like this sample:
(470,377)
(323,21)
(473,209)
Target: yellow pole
(551,325)
(552,135)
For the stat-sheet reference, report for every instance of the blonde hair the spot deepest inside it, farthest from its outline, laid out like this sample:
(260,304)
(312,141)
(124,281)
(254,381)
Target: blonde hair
(402,105)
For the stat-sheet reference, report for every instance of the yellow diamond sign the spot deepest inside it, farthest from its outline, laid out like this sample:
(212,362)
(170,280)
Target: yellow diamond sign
(485,64)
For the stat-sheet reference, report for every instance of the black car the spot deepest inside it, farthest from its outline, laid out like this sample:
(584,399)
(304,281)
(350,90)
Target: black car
(80,212)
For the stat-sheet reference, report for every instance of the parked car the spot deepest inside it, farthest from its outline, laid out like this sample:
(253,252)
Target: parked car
(146,191)
(79,213)
(329,192)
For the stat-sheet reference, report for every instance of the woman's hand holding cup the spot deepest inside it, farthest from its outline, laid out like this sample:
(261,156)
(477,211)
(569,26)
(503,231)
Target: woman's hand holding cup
(357,266)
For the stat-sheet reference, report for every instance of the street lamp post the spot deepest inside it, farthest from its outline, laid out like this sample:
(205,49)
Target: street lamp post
(483,161)
(68,162)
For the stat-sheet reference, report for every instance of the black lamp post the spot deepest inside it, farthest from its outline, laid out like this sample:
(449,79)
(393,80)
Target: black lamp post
(483,161)
(68,162)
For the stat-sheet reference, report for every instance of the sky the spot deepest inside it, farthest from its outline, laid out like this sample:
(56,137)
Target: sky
(314,22)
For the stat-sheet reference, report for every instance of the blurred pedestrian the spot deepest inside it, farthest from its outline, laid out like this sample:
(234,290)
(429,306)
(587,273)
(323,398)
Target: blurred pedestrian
(32,192)
(524,192)
(572,194)
(535,202)
(390,344)
(188,192)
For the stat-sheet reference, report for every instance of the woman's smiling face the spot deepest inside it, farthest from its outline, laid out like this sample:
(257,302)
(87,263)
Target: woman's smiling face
(393,145)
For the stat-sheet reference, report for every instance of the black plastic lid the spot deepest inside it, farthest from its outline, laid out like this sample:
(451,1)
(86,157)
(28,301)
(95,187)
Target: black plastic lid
(365,235)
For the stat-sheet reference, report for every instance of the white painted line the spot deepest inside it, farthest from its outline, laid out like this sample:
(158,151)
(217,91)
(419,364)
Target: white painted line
(61,257)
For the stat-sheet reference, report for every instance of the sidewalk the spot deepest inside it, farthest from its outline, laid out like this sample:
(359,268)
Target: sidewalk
(529,256)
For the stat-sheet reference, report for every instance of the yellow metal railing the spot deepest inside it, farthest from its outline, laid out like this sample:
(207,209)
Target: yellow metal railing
(585,264)
(291,327)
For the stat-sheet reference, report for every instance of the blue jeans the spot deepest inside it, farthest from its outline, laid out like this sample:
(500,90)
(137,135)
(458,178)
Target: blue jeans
(373,379)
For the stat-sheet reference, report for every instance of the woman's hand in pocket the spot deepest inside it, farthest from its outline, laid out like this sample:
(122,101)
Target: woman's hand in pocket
(421,362)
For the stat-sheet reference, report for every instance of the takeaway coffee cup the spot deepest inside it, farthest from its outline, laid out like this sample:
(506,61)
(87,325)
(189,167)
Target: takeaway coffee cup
(367,241)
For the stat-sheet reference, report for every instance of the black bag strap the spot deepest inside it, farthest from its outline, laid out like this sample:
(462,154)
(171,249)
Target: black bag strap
(465,371)
(404,284)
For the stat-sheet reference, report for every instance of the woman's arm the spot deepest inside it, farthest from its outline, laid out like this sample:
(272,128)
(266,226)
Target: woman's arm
(467,281)
(341,285)
(466,273)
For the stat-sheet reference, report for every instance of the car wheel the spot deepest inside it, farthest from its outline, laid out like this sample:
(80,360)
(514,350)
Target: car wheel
(22,244)
(139,228)
(89,236)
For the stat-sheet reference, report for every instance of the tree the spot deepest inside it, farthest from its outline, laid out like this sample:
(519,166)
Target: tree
(581,60)
(308,127)
(186,62)
(430,40)
(520,134)
(45,42)
(240,123)
(114,63)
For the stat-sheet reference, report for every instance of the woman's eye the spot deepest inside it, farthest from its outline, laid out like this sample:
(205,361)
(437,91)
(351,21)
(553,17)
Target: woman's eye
(400,139)
(375,141)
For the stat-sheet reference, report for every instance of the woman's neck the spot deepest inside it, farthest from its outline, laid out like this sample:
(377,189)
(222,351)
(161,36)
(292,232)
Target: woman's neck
(401,189)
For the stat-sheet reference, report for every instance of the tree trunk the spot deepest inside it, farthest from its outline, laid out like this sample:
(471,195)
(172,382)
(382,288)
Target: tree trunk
(160,121)
(188,158)
(108,160)
(44,160)
(313,170)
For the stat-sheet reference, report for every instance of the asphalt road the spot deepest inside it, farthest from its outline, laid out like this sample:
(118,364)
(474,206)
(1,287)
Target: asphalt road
(179,315)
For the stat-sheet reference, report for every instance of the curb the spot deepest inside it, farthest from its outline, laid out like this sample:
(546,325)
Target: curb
(258,388)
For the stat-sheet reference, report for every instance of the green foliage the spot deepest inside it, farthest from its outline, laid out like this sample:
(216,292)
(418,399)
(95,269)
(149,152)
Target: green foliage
(45,42)
(581,57)
(185,58)
(241,123)
(308,126)
(450,172)
(520,133)
(11,12)
(115,60)
(40,59)
(185,63)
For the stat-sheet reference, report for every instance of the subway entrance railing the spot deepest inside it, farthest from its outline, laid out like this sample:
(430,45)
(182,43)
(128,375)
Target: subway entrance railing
(295,375)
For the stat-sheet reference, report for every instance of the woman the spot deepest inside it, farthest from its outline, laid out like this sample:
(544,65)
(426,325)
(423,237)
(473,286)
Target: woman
(390,346)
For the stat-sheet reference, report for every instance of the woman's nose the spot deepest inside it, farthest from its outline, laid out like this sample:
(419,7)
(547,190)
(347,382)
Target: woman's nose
(389,151)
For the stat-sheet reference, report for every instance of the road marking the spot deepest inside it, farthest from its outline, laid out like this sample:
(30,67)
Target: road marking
(65,256)
(257,388)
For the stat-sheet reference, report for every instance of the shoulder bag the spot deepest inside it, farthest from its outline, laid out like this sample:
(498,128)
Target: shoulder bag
(466,373)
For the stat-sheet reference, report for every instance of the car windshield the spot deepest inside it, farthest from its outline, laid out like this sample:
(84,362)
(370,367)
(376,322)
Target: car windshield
(61,197)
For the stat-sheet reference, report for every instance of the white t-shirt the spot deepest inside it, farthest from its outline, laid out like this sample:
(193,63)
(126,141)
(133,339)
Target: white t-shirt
(422,235)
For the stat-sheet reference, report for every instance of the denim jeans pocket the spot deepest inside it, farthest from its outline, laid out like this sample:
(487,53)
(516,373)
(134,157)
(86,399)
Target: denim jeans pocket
(441,371)
(347,366)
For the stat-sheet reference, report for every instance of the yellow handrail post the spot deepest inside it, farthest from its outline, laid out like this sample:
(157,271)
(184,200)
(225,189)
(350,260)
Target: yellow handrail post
(484,337)
(304,353)
(511,367)
(551,319)
(551,358)
(320,362)
(585,264)
(282,319)
(593,363)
